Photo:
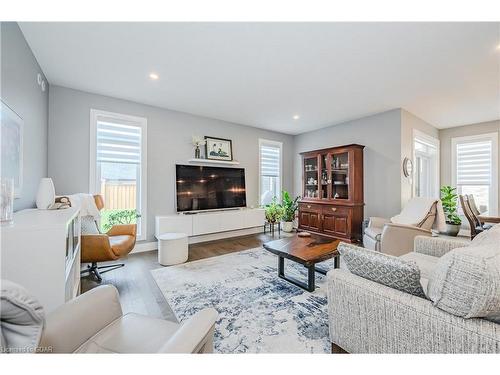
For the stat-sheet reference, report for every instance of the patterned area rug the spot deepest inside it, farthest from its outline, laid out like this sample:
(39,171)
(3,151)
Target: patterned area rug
(258,312)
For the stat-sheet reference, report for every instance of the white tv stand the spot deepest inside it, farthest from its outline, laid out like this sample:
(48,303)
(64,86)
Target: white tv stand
(208,226)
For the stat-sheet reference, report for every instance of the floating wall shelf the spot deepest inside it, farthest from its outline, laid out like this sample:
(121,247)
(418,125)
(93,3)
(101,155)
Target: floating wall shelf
(210,161)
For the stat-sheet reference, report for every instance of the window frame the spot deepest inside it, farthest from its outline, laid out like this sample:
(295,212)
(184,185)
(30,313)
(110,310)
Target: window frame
(493,137)
(426,138)
(272,143)
(141,122)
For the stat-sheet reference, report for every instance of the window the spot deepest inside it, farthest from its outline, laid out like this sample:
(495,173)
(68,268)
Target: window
(270,170)
(426,157)
(474,161)
(118,165)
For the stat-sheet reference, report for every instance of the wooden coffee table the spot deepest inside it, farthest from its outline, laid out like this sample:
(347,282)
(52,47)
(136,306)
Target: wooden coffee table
(307,251)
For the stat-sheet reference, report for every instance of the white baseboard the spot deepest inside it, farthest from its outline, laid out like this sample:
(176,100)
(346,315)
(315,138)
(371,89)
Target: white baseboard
(145,246)
(153,245)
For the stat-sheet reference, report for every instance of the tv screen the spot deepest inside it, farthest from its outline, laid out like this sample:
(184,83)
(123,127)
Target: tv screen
(209,188)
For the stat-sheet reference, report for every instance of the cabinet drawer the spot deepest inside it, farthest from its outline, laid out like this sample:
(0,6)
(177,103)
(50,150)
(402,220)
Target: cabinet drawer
(310,207)
(336,210)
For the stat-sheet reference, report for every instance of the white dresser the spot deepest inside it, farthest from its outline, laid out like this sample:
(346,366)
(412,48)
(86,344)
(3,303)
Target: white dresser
(41,251)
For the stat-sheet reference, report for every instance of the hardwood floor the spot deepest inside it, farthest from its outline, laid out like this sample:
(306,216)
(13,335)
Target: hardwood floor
(138,290)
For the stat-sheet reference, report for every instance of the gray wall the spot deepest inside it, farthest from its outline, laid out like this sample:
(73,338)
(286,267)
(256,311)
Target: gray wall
(381,136)
(169,142)
(21,92)
(410,122)
(445,136)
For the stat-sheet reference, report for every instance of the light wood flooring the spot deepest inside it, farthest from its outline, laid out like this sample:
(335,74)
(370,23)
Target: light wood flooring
(138,290)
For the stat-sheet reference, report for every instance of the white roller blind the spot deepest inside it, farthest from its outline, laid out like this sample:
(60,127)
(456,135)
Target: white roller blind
(118,143)
(270,160)
(474,163)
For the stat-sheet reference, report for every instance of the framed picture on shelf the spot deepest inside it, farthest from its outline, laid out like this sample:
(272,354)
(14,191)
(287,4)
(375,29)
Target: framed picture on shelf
(11,135)
(219,149)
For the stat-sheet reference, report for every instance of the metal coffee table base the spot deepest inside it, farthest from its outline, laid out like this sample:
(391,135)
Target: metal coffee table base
(311,276)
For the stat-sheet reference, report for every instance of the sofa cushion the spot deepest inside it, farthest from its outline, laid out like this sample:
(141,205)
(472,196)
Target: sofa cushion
(466,282)
(384,269)
(21,319)
(426,263)
(133,333)
(487,237)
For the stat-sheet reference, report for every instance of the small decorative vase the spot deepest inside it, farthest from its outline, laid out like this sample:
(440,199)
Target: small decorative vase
(197,152)
(288,226)
(46,195)
(6,200)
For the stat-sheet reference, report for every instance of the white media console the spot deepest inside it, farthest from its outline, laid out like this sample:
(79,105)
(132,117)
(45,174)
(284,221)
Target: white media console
(206,226)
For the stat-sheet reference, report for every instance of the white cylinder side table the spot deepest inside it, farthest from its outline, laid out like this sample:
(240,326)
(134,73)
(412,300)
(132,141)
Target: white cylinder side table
(172,248)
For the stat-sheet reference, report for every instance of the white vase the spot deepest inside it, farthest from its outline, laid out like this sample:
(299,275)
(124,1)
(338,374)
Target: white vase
(46,195)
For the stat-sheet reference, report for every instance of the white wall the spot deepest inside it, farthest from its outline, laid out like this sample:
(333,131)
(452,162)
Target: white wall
(169,142)
(409,123)
(20,91)
(445,136)
(381,136)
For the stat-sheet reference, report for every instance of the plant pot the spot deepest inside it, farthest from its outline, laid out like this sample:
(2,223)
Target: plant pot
(288,226)
(452,229)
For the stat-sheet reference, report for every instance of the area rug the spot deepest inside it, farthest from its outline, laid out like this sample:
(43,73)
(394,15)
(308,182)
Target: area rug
(258,312)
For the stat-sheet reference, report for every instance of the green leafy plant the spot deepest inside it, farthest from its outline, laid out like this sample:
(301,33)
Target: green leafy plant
(274,211)
(289,205)
(449,201)
(120,217)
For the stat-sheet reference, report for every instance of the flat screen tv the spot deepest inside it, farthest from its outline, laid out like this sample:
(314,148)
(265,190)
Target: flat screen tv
(209,188)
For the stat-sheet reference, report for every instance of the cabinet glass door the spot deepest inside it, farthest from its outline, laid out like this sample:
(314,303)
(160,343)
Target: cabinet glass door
(324,176)
(339,181)
(311,183)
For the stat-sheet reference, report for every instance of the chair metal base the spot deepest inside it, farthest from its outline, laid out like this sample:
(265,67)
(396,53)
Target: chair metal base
(93,270)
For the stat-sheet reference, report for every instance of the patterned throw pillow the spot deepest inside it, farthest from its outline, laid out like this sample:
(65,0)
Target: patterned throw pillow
(466,282)
(381,268)
(89,225)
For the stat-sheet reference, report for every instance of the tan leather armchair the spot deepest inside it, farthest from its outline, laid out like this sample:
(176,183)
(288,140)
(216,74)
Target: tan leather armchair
(113,245)
(75,327)
(396,238)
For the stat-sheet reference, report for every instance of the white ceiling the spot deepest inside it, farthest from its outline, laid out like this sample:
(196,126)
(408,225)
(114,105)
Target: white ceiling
(261,74)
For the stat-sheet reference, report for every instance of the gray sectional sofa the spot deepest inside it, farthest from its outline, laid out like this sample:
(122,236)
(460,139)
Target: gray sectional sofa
(461,282)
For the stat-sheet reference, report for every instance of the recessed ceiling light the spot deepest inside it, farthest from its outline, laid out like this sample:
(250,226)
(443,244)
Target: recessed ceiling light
(498,47)
(296,117)
(154,76)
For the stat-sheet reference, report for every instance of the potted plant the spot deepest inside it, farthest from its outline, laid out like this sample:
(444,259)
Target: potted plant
(121,217)
(290,207)
(274,211)
(449,201)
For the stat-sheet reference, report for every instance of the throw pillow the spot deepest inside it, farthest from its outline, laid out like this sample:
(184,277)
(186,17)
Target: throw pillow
(381,268)
(89,225)
(466,282)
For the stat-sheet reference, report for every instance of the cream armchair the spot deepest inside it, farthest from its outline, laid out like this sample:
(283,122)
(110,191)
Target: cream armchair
(94,323)
(395,236)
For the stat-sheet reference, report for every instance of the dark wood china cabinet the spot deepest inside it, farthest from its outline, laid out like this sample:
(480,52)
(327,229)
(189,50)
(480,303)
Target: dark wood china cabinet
(332,192)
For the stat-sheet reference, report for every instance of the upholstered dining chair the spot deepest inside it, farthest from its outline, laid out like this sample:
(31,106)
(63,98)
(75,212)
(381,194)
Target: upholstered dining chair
(476,226)
(102,247)
(476,212)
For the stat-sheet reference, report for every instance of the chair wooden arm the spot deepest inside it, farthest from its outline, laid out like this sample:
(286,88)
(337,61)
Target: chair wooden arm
(123,230)
(96,248)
